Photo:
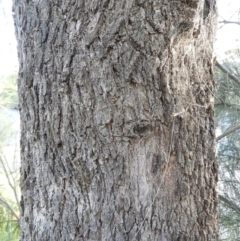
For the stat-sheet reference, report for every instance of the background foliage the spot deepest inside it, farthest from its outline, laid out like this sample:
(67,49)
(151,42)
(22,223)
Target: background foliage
(9,160)
(227,115)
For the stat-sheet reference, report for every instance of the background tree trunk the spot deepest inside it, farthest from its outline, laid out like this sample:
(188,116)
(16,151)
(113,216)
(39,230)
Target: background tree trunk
(116,101)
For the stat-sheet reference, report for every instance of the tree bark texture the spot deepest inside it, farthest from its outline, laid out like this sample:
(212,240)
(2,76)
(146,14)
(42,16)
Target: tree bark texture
(116,100)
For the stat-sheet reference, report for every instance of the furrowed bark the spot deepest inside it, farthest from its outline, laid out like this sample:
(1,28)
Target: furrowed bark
(116,102)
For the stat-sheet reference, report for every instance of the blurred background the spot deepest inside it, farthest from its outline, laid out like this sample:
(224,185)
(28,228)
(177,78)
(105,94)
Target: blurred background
(9,127)
(227,119)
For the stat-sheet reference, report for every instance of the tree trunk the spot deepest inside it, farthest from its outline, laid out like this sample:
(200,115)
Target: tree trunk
(116,100)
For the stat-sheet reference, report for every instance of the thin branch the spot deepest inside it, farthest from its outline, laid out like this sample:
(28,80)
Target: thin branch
(230,181)
(230,203)
(228,132)
(235,107)
(5,167)
(13,220)
(229,22)
(236,80)
(8,174)
(14,180)
(7,206)
(230,156)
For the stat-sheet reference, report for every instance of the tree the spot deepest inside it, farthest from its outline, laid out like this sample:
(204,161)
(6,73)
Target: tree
(116,104)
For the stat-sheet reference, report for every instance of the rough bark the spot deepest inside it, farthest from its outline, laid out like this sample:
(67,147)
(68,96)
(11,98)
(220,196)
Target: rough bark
(116,100)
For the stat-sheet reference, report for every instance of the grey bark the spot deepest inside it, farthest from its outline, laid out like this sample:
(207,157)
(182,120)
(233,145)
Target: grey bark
(116,102)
